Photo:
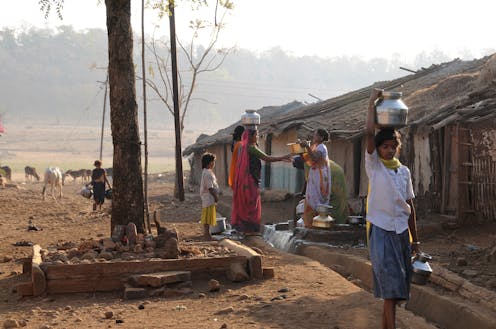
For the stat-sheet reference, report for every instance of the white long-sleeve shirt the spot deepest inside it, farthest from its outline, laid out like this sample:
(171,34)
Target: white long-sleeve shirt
(389,191)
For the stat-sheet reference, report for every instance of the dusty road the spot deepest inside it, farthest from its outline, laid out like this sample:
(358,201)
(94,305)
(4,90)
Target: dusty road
(303,294)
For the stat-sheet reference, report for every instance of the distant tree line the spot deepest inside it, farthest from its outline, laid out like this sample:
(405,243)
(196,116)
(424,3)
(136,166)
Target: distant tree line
(57,76)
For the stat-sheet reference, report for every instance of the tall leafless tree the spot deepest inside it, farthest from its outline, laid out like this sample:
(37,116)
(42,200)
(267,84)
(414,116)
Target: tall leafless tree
(127,203)
(197,59)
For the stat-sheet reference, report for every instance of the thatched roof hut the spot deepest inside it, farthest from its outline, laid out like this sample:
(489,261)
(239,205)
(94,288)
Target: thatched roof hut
(448,143)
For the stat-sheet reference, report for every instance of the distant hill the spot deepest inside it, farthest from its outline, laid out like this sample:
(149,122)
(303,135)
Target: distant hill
(57,78)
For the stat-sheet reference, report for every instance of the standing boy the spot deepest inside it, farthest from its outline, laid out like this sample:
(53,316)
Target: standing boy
(98,181)
(209,193)
(391,215)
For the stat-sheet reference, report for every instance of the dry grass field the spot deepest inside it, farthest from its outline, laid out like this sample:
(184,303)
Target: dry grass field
(76,147)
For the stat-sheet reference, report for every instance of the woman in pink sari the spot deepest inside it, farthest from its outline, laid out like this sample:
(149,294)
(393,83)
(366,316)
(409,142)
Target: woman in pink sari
(247,208)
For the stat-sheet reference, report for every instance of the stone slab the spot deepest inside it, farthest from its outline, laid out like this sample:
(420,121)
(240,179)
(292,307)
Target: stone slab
(134,293)
(159,279)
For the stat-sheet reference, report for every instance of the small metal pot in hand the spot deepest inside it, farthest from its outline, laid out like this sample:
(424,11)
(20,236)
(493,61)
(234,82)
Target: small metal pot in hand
(108,194)
(421,268)
(87,192)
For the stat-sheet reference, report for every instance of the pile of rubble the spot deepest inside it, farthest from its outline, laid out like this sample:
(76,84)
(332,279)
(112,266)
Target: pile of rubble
(127,244)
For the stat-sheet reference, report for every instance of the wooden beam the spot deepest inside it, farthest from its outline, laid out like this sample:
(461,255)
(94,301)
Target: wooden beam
(96,270)
(25,288)
(37,275)
(60,286)
(254,259)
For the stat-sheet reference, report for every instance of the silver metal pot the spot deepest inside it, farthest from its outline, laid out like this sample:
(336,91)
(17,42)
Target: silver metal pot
(323,220)
(250,118)
(421,268)
(219,227)
(87,192)
(355,220)
(390,111)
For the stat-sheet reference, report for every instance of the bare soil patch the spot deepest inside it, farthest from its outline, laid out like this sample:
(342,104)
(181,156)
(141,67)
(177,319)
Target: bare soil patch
(303,293)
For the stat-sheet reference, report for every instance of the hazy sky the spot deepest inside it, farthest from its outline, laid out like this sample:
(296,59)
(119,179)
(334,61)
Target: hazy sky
(324,28)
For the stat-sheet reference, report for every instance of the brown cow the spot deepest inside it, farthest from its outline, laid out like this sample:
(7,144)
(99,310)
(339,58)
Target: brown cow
(83,173)
(30,172)
(8,172)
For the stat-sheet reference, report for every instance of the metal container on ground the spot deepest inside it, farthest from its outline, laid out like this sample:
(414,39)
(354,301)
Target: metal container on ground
(323,220)
(219,227)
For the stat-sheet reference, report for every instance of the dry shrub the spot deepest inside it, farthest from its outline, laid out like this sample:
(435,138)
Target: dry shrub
(446,91)
(488,73)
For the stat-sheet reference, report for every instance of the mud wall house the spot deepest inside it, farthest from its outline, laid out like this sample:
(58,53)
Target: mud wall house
(220,144)
(452,141)
(448,144)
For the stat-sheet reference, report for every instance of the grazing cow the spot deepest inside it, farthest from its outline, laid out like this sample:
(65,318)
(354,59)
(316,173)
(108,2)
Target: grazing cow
(83,173)
(8,172)
(30,172)
(53,177)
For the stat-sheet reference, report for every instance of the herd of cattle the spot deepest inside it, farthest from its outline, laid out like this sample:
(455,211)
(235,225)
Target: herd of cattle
(53,177)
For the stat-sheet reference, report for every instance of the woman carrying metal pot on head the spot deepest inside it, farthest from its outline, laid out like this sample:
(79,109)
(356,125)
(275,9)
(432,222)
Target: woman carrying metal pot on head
(390,216)
(246,210)
(318,186)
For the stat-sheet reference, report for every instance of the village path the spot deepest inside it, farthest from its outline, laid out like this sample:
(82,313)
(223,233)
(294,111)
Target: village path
(303,293)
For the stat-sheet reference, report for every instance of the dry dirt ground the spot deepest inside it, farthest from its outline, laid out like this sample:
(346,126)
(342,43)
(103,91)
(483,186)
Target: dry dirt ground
(314,295)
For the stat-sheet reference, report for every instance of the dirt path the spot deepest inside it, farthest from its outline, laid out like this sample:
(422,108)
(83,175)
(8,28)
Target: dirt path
(303,294)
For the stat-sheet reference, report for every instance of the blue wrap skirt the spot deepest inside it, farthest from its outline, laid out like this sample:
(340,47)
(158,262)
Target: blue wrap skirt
(390,256)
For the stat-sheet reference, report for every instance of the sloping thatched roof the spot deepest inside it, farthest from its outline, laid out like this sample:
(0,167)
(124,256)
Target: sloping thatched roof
(267,113)
(436,96)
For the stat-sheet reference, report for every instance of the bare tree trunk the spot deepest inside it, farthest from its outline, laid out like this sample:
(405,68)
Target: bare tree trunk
(127,203)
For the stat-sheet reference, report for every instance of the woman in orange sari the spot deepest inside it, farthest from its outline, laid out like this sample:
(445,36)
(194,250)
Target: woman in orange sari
(318,189)
(247,206)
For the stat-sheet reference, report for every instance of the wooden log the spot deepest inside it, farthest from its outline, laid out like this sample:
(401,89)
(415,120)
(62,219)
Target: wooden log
(60,286)
(38,279)
(160,279)
(268,273)
(95,270)
(37,275)
(25,288)
(237,273)
(26,265)
(134,293)
(254,259)
(449,280)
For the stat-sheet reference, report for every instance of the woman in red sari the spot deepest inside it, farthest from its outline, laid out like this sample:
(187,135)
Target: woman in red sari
(247,208)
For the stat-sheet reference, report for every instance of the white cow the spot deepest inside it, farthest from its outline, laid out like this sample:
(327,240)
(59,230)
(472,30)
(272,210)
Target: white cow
(53,176)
